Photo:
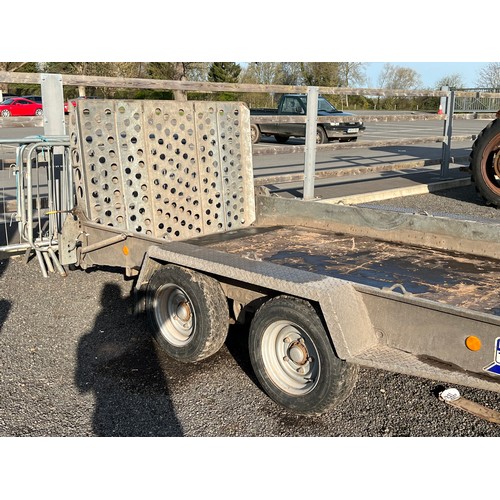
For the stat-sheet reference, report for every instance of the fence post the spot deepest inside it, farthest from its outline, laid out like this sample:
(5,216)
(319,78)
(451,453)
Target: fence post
(310,148)
(447,133)
(54,125)
(53,104)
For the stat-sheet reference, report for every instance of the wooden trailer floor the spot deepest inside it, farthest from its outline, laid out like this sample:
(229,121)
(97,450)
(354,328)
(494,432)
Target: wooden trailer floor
(459,280)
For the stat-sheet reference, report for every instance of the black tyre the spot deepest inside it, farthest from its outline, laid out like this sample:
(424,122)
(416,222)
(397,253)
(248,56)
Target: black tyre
(255,134)
(282,139)
(485,163)
(321,137)
(294,360)
(188,313)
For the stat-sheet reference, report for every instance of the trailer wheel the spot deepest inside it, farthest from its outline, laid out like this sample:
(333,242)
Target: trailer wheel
(321,137)
(485,163)
(293,358)
(254,133)
(188,313)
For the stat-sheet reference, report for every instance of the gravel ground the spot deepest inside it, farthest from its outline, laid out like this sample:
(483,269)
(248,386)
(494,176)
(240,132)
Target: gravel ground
(75,362)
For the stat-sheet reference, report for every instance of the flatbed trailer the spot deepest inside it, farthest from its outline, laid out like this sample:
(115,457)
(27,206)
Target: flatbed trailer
(164,189)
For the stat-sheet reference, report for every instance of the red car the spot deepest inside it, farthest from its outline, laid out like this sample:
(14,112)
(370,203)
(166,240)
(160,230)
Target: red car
(73,101)
(19,106)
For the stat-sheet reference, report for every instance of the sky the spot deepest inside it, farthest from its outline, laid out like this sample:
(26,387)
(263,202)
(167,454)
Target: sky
(431,72)
(378,32)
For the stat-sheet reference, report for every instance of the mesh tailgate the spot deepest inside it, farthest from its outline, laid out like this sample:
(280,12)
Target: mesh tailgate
(167,169)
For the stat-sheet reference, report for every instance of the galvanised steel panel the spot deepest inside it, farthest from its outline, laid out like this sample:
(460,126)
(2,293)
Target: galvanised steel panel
(167,169)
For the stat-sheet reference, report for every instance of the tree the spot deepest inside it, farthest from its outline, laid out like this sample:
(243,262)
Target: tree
(85,69)
(9,66)
(181,71)
(489,76)
(262,73)
(291,73)
(193,71)
(453,81)
(397,78)
(224,72)
(351,74)
(265,73)
(321,74)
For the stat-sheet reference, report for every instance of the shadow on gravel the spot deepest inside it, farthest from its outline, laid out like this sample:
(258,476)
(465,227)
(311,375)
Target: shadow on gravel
(237,345)
(118,363)
(466,194)
(4,304)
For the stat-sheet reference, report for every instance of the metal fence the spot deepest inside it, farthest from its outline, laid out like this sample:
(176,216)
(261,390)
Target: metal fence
(477,102)
(36,184)
(36,194)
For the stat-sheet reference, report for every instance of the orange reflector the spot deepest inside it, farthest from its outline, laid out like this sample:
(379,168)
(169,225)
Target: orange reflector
(473,343)
(125,250)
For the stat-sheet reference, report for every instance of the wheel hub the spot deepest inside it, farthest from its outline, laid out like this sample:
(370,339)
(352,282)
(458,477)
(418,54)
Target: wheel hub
(297,352)
(183,311)
(290,357)
(496,163)
(174,314)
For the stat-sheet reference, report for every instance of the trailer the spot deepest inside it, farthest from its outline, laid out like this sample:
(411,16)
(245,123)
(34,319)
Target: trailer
(165,191)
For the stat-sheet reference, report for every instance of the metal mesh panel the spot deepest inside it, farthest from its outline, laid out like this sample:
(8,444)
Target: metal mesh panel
(167,169)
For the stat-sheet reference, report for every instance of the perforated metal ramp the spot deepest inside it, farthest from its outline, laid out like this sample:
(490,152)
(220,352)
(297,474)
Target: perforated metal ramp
(166,169)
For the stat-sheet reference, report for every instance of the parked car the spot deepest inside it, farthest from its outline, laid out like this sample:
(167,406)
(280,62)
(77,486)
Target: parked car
(7,96)
(73,102)
(34,98)
(19,106)
(296,104)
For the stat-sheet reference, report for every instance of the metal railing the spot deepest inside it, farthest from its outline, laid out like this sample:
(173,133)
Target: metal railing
(39,224)
(37,191)
(477,102)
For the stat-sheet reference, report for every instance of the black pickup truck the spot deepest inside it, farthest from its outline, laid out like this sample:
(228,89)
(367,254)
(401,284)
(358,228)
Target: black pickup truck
(296,104)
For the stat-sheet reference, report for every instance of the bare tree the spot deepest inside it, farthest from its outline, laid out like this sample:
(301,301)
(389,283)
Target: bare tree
(489,76)
(322,74)
(454,81)
(291,73)
(181,71)
(397,78)
(266,73)
(351,74)
(9,66)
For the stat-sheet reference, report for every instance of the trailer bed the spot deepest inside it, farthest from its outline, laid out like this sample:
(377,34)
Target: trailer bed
(451,278)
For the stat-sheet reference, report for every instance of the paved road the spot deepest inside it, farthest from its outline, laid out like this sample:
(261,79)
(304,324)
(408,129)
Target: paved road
(359,157)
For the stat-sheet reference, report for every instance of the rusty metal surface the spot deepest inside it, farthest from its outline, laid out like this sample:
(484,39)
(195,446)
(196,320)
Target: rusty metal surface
(166,169)
(465,236)
(458,280)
